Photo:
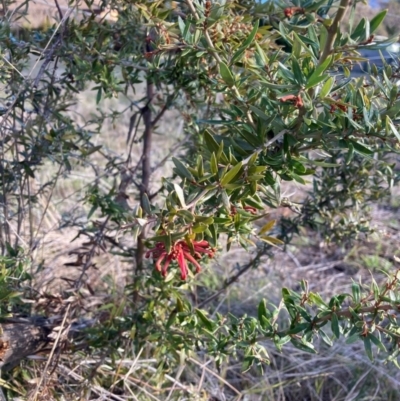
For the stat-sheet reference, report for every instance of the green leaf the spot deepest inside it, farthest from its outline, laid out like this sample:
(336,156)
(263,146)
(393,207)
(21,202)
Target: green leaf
(353,338)
(238,54)
(361,148)
(298,328)
(350,154)
(316,77)
(325,338)
(245,44)
(166,239)
(200,167)
(181,25)
(271,240)
(271,85)
(226,74)
(391,127)
(285,72)
(267,227)
(182,170)
(316,299)
(377,20)
(323,164)
(146,204)
(359,31)
(298,73)
(381,45)
(214,164)
(221,156)
(199,228)
(98,96)
(377,342)
(303,346)
(327,87)
(393,111)
(188,216)
(180,194)
(252,35)
(261,53)
(260,113)
(231,174)
(208,324)
(323,36)
(211,143)
(313,81)
(368,347)
(168,242)
(355,288)
(89,151)
(280,341)
(92,210)
(247,363)
(225,200)
(262,312)
(335,325)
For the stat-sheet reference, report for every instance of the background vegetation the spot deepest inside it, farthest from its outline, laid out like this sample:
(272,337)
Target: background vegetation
(231,130)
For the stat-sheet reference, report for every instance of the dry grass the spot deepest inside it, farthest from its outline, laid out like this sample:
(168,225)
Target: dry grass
(41,13)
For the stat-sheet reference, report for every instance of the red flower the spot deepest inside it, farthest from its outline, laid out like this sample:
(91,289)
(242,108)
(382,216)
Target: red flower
(296,100)
(182,253)
(290,11)
(250,209)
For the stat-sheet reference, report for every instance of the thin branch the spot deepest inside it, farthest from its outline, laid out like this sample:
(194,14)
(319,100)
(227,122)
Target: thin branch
(332,30)
(34,397)
(59,9)
(368,309)
(342,313)
(170,153)
(162,111)
(146,169)
(266,144)
(232,279)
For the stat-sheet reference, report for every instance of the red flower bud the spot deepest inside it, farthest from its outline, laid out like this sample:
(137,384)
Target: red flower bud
(182,253)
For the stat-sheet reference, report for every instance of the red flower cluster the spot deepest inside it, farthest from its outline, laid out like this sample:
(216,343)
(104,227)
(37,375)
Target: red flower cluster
(290,11)
(296,100)
(337,106)
(180,252)
(249,209)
